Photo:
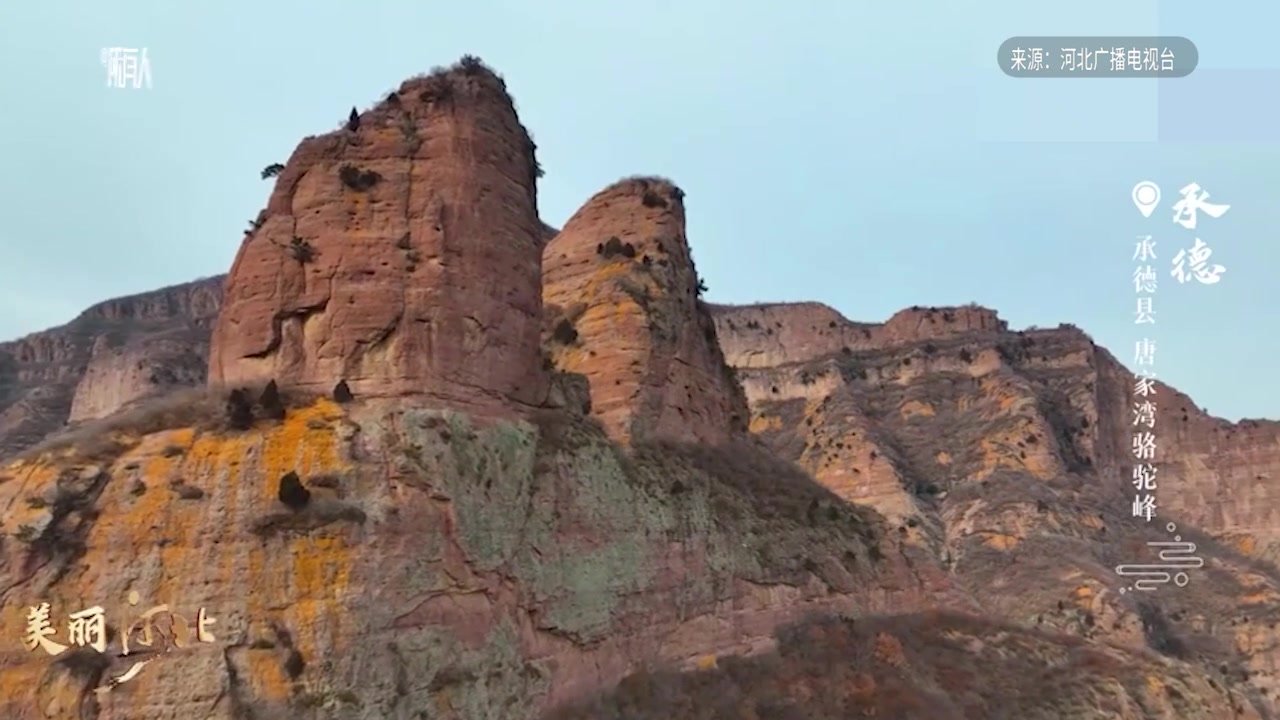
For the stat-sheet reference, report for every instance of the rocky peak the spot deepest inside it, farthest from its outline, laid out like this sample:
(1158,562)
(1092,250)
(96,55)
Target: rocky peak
(926,323)
(767,335)
(401,253)
(622,303)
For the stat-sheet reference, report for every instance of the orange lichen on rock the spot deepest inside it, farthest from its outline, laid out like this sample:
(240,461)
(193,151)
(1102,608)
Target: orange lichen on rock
(321,575)
(266,678)
(183,508)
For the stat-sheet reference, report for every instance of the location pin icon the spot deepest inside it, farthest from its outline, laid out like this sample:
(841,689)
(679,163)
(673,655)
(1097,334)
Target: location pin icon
(1146,195)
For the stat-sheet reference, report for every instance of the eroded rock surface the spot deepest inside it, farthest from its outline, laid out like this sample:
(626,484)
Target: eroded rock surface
(117,376)
(436,546)
(439,566)
(622,303)
(48,378)
(1009,456)
(772,334)
(402,256)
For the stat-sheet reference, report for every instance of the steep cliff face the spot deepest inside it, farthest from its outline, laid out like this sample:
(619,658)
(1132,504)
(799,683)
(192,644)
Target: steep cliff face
(769,335)
(440,547)
(140,368)
(1072,395)
(441,566)
(401,254)
(1008,456)
(1220,476)
(46,378)
(622,309)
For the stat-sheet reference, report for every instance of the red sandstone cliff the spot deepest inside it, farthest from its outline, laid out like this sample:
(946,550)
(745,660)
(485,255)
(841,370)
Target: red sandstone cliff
(622,309)
(113,354)
(1075,395)
(1007,455)
(403,256)
(477,570)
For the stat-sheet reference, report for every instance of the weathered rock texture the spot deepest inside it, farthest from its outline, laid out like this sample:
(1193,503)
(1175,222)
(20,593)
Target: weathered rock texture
(621,293)
(446,563)
(143,367)
(114,353)
(402,256)
(1008,456)
(440,568)
(769,335)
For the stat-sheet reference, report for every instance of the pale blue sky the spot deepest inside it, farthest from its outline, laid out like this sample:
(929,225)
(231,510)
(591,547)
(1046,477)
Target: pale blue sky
(867,155)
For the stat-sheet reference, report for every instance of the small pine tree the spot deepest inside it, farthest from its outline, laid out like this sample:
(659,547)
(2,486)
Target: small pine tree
(239,410)
(342,392)
(291,492)
(272,405)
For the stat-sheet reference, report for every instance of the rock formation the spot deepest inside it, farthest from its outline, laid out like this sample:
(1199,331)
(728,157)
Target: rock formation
(402,256)
(1008,456)
(769,335)
(622,304)
(1074,396)
(401,551)
(114,353)
(461,570)
(145,367)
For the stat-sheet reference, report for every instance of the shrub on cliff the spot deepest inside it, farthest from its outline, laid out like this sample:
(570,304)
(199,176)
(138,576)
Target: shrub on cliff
(472,65)
(272,170)
(357,179)
(239,410)
(652,199)
(271,403)
(437,88)
(105,439)
(614,247)
(564,333)
(301,250)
